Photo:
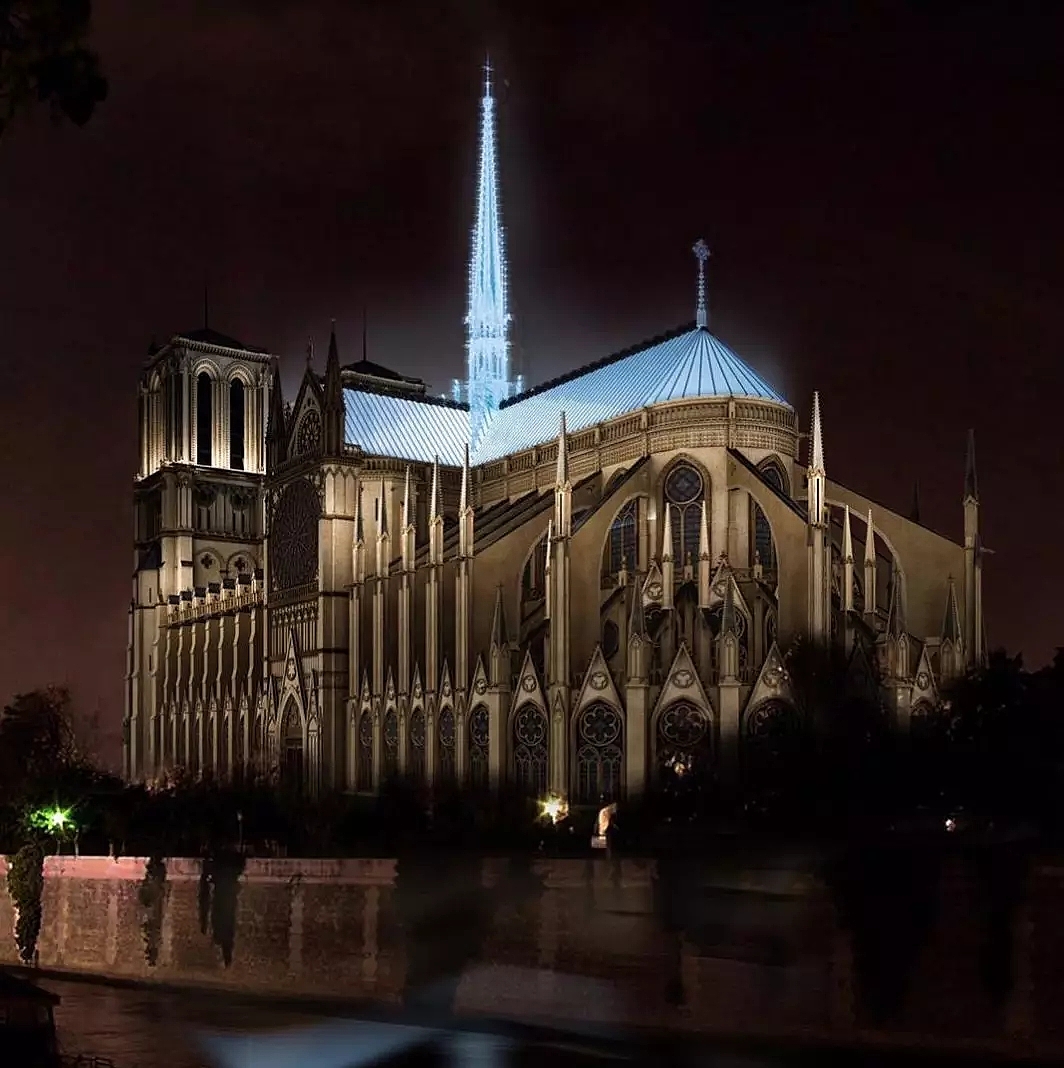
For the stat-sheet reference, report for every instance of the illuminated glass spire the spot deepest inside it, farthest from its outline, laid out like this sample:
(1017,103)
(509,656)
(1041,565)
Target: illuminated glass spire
(487,319)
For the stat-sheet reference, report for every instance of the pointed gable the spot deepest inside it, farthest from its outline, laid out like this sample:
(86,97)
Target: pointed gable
(598,685)
(446,688)
(774,682)
(724,580)
(364,693)
(683,684)
(653,586)
(292,681)
(925,687)
(307,428)
(417,692)
(480,677)
(389,687)
(529,690)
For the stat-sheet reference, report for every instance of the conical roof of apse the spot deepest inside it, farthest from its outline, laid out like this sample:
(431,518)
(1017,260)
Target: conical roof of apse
(686,364)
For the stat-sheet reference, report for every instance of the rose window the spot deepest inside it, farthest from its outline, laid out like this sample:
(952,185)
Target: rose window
(294,537)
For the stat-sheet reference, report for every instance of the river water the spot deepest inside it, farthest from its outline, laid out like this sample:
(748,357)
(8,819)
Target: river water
(144,1028)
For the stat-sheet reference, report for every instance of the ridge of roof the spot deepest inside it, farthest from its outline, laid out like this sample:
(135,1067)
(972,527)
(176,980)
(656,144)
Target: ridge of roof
(399,394)
(604,361)
(207,336)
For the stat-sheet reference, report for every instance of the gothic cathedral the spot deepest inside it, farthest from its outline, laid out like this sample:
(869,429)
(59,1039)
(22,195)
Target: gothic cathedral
(573,589)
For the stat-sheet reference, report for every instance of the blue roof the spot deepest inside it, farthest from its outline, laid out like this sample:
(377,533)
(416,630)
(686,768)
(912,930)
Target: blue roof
(416,430)
(686,365)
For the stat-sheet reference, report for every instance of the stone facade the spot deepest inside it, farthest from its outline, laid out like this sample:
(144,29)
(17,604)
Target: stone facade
(578,618)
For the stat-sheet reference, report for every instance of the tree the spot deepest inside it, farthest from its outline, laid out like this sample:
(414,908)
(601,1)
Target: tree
(36,740)
(43,60)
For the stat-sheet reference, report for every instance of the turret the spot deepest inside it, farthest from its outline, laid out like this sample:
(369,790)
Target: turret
(705,563)
(952,657)
(847,579)
(499,667)
(728,641)
(819,565)
(973,593)
(870,572)
(333,428)
(276,430)
(668,565)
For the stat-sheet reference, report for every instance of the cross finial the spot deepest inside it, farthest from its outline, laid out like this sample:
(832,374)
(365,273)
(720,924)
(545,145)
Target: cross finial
(701,251)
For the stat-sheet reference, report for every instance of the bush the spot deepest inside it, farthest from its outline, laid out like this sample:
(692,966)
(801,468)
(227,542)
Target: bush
(25,884)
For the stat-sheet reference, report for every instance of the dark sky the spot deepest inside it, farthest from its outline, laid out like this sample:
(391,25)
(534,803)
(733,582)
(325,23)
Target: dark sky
(881,190)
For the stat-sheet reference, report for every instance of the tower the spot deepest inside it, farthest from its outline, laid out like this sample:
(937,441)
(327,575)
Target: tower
(487,316)
(197,502)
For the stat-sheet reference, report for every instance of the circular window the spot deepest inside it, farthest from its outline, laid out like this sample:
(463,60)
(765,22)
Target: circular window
(683,485)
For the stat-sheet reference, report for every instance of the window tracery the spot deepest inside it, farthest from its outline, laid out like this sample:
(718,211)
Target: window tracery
(417,745)
(294,537)
(445,750)
(390,748)
(308,437)
(684,494)
(600,754)
(530,750)
(684,742)
(622,541)
(364,769)
(478,746)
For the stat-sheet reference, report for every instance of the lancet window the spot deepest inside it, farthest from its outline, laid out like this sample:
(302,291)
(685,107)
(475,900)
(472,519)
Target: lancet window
(530,750)
(599,754)
(390,746)
(416,749)
(684,492)
(236,425)
(534,581)
(204,419)
(478,746)
(763,547)
(292,755)
(623,543)
(364,768)
(445,749)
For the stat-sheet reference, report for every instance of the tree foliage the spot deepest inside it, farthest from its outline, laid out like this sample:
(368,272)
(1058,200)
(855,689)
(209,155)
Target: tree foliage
(36,742)
(44,60)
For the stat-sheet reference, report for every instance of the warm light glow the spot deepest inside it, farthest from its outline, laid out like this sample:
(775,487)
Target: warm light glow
(554,808)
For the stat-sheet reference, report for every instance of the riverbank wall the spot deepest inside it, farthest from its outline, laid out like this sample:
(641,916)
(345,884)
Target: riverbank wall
(596,940)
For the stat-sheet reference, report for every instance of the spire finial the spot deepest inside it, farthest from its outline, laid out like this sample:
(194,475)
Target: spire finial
(487,75)
(971,482)
(701,251)
(817,461)
(310,351)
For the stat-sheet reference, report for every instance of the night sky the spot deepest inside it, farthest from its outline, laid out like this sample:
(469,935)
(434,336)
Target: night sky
(881,193)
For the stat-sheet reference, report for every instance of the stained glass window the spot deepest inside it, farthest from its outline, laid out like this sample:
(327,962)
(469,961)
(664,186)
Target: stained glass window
(478,746)
(416,749)
(390,748)
(530,750)
(684,493)
(623,539)
(599,755)
(445,750)
(364,768)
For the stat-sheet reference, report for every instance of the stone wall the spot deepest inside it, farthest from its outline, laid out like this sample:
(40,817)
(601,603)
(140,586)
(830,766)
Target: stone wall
(591,940)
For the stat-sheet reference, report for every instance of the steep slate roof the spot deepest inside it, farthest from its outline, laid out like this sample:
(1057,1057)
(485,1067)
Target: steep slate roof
(686,364)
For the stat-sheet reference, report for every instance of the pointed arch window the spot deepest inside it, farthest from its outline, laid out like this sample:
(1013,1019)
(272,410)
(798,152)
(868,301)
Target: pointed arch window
(390,748)
(684,745)
(478,747)
(445,750)
(534,580)
(204,419)
(530,750)
(599,754)
(764,547)
(684,493)
(416,751)
(622,547)
(236,425)
(364,768)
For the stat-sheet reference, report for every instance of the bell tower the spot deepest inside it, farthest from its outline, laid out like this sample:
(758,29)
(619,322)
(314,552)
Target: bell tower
(197,507)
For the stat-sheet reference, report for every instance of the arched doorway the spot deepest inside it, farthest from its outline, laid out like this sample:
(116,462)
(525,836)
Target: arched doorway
(292,748)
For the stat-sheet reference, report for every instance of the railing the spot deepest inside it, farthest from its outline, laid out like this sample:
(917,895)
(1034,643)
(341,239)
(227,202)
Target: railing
(84,1060)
